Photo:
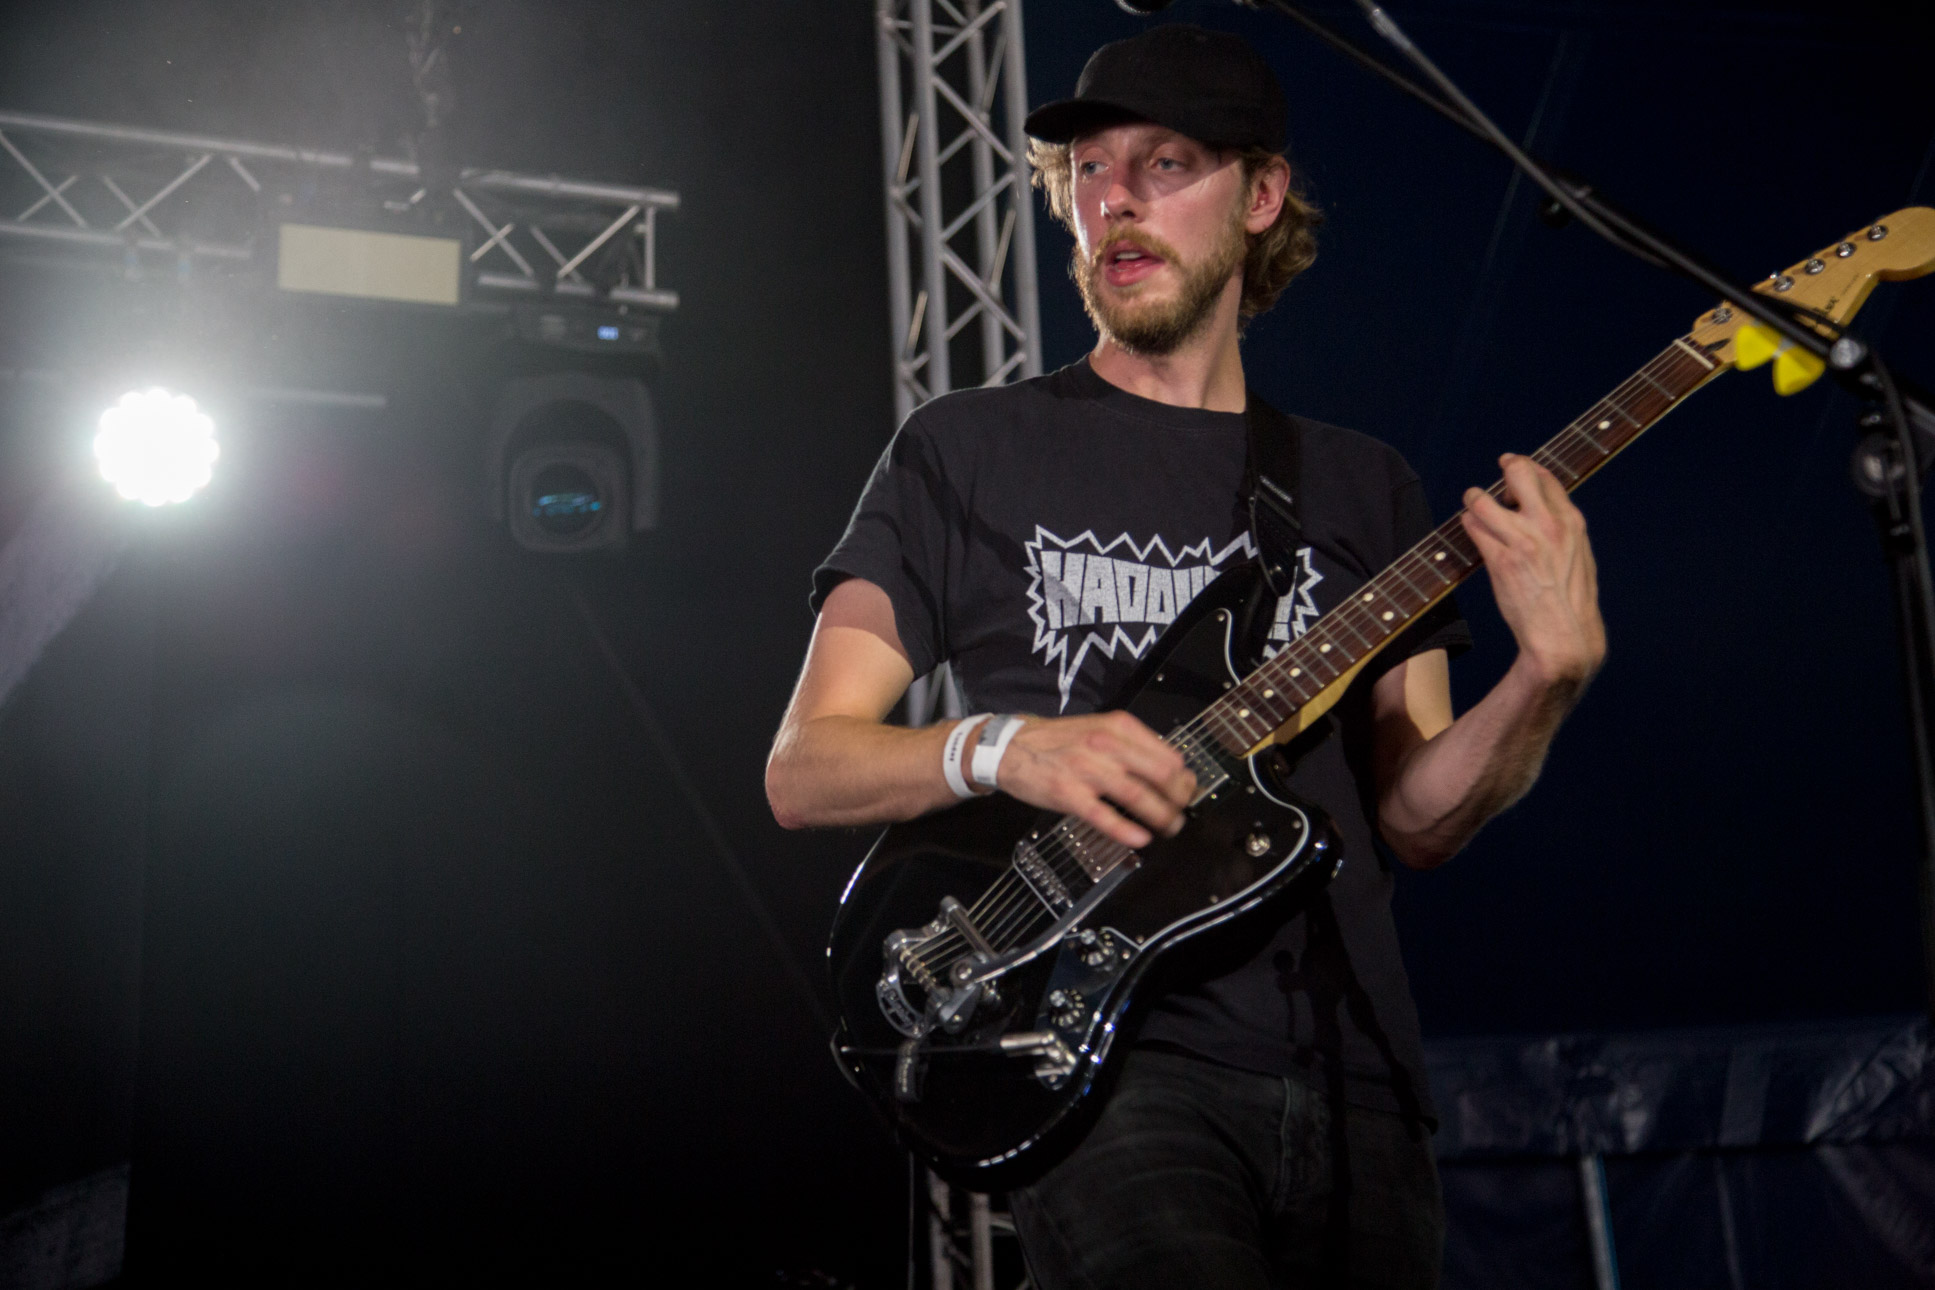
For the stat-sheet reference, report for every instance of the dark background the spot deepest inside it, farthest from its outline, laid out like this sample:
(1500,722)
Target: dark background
(344,889)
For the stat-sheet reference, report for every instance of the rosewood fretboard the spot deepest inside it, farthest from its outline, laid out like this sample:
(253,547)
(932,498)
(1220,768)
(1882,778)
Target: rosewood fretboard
(1246,718)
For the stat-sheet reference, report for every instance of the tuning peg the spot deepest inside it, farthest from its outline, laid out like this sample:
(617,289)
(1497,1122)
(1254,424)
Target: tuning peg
(1794,369)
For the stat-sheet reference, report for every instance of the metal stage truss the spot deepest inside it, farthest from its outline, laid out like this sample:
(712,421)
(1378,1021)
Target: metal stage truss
(960,218)
(128,192)
(962,292)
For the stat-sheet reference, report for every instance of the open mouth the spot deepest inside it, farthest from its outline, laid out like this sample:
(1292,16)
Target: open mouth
(1126,263)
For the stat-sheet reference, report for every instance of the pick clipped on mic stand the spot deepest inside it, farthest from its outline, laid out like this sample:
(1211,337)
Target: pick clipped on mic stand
(1899,420)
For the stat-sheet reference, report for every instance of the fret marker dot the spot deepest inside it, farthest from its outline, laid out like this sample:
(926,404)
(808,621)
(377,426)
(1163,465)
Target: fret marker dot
(1243,713)
(1323,649)
(1605,425)
(1439,556)
(1271,694)
(1387,615)
(1296,671)
(1367,597)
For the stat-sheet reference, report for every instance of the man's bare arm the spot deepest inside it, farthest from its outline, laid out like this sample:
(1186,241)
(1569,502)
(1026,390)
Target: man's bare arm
(1439,788)
(1440,780)
(835,761)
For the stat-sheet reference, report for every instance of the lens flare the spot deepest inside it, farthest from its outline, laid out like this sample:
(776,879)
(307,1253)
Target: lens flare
(156,447)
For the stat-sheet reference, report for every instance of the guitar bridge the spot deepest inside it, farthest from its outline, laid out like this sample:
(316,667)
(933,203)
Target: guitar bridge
(1041,880)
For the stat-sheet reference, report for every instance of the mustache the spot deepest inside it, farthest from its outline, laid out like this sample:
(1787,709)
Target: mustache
(1146,242)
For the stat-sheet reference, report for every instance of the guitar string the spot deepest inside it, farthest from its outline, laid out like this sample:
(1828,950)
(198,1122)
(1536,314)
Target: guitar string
(1014,896)
(1017,904)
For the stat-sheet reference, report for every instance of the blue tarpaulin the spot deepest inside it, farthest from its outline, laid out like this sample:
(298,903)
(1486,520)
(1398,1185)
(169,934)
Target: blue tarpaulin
(1772,1157)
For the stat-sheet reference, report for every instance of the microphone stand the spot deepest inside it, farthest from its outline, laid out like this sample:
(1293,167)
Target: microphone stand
(1899,421)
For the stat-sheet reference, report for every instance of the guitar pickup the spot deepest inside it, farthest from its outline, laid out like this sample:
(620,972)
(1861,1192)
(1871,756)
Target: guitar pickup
(1041,880)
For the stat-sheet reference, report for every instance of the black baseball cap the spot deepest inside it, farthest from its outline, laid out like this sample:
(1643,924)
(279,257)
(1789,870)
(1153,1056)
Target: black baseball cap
(1210,85)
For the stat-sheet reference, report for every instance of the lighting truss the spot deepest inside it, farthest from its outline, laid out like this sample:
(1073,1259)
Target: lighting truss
(953,93)
(132,192)
(960,217)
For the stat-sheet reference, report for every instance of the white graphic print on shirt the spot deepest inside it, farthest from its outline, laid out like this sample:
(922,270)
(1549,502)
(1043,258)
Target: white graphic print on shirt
(1087,594)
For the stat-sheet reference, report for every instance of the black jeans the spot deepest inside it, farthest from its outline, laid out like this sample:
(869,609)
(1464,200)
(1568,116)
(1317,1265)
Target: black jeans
(1199,1175)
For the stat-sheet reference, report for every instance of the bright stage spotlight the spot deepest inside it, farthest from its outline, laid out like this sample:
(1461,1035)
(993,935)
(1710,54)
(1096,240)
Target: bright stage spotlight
(156,447)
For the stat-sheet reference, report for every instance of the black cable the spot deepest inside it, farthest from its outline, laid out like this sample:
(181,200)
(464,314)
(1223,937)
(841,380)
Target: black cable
(1861,370)
(1376,67)
(1918,649)
(709,825)
(1573,197)
(913,1221)
(1483,125)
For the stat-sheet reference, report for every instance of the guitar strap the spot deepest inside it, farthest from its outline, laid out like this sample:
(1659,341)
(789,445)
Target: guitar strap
(1272,479)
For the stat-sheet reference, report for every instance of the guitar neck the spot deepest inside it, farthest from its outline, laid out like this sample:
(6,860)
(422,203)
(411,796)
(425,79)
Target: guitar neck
(1321,662)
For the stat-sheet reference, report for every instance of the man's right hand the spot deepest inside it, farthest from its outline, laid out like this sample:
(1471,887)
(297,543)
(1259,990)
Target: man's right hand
(1097,768)
(834,763)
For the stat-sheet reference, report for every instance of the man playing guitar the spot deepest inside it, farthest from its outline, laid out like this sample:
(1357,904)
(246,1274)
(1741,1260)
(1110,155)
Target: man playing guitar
(1271,1124)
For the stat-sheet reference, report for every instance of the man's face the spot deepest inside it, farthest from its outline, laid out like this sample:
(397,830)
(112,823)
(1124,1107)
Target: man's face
(1160,223)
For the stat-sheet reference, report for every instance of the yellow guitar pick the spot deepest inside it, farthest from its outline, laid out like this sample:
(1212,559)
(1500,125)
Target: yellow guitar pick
(1754,344)
(1794,369)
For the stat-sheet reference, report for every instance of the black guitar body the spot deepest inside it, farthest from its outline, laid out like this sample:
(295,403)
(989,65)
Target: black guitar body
(991,1062)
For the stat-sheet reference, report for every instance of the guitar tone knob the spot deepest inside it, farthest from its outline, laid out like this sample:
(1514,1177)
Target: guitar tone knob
(1257,844)
(1065,1008)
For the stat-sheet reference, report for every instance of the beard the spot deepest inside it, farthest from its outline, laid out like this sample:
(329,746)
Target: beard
(1155,327)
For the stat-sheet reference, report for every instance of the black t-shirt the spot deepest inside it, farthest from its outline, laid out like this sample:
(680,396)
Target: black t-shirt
(1040,537)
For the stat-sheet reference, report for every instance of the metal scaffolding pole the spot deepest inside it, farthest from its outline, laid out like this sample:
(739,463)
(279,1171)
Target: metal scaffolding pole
(70,182)
(953,94)
(962,300)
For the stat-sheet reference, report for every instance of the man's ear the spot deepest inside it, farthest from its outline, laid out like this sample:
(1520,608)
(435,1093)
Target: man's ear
(1267,189)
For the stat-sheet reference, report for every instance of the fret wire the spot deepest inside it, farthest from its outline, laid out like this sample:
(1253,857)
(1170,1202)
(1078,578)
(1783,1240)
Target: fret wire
(1644,375)
(1343,621)
(1588,446)
(1398,569)
(1367,615)
(1620,408)
(1574,451)
(1232,724)
(1254,699)
(1556,464)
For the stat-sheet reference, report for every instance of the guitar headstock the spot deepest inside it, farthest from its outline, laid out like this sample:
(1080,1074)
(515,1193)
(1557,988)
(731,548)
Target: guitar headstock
(1835,280)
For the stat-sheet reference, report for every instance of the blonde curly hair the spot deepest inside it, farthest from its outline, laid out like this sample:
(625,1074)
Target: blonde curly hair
(1275,256)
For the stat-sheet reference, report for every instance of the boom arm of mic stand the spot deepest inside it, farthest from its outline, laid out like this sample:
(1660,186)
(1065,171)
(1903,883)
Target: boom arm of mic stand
(1581,200)
(1855,365)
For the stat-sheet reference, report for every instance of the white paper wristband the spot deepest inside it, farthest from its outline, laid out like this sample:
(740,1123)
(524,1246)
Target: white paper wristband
(990,747)
(952,751)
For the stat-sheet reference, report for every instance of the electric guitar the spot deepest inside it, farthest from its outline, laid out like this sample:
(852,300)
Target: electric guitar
(986,958)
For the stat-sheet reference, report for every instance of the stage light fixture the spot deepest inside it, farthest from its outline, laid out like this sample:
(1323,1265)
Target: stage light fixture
(572,461)
(156,447)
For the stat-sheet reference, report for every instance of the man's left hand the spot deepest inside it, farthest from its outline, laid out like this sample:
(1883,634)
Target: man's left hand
(1542,571)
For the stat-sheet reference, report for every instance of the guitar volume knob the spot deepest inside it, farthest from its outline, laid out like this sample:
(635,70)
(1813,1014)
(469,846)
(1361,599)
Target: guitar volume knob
(1093,950)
